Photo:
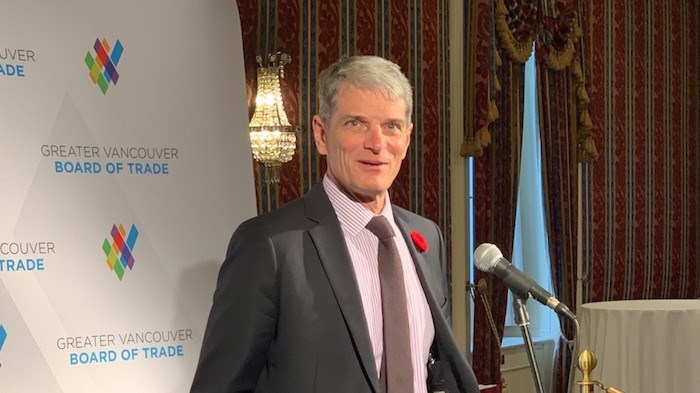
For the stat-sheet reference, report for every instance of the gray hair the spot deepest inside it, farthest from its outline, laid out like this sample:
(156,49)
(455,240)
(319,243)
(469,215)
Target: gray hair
(364,72)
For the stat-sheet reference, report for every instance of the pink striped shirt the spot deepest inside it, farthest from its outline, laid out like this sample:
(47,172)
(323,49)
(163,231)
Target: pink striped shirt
(362,245)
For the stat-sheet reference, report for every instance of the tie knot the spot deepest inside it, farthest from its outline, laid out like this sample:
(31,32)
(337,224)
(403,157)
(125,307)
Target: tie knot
(380,226)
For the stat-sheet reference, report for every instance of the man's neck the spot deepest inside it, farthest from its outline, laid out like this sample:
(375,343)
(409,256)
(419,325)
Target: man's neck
(373,204)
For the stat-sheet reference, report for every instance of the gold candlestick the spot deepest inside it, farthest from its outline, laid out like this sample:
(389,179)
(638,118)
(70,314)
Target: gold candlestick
(586,363)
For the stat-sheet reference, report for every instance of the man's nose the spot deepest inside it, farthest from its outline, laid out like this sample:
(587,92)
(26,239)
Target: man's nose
(375,139)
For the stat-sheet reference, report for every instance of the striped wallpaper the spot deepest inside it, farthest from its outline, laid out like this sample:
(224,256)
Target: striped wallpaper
(641,199)
(412,33)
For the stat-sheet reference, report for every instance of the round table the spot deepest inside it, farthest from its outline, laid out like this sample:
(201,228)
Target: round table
(644,346)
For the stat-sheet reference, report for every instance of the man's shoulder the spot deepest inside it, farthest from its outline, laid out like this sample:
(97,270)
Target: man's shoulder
(413,222)
(290,212)
(294,214)
(411,217)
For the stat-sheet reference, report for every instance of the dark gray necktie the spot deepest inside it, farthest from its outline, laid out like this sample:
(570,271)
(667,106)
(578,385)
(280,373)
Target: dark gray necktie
(396,374)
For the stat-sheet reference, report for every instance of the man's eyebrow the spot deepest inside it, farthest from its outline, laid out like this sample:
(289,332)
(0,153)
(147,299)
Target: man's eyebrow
(361,118)
(354,117)
(397,120)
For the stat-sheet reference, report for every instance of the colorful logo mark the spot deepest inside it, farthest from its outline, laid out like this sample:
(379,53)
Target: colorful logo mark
(103,65)
(119,250)
(3,336)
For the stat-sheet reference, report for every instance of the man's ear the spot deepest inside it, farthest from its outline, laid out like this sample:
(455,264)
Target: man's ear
(320,135)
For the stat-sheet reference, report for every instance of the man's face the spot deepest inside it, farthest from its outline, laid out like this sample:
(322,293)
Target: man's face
(365,141)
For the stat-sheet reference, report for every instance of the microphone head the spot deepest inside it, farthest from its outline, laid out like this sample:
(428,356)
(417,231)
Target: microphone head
(486,257)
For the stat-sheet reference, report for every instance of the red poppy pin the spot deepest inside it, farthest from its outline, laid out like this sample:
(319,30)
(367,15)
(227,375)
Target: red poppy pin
(419,241)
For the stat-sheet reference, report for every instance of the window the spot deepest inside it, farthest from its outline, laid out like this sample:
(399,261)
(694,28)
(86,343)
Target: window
(530,244)
(530,247)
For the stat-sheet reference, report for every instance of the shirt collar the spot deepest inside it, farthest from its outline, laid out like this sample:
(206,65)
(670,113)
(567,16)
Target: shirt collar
(353,216)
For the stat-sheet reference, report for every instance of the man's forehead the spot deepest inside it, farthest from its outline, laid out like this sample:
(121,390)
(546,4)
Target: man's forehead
(361,95)
(344,87)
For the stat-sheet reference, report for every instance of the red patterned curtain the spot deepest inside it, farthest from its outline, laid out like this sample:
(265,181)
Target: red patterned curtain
(496,191)
(638,60)
(565,132)
(493,96)
(559,167)
(316,34)
(641,229)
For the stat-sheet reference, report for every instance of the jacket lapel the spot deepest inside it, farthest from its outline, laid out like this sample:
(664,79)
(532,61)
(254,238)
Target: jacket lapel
(328,239)
(430,280)
(421,263)
(457,376)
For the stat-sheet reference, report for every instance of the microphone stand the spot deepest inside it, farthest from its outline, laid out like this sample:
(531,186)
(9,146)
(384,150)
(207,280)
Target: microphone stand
(523,320)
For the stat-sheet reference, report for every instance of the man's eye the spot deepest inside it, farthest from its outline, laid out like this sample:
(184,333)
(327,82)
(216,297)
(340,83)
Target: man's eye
(353,123)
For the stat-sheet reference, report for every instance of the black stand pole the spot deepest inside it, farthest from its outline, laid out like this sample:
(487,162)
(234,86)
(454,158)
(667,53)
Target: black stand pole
(523,320)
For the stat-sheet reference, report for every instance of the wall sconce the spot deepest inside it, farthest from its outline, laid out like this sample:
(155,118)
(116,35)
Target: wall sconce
(272,138)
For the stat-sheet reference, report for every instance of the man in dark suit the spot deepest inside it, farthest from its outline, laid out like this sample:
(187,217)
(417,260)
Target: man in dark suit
(298,304)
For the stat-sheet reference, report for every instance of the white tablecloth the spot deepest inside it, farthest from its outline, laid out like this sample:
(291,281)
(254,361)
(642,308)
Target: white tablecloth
(644,346)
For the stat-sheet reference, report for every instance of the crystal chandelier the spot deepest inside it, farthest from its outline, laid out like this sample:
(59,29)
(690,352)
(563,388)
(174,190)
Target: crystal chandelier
(272,138)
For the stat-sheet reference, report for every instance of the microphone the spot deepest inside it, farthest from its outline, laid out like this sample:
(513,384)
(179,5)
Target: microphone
(488,258)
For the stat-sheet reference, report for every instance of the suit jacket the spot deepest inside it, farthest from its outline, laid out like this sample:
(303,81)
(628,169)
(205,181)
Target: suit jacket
(287,314)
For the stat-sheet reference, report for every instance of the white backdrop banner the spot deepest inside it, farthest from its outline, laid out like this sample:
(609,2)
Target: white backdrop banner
(124,169)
